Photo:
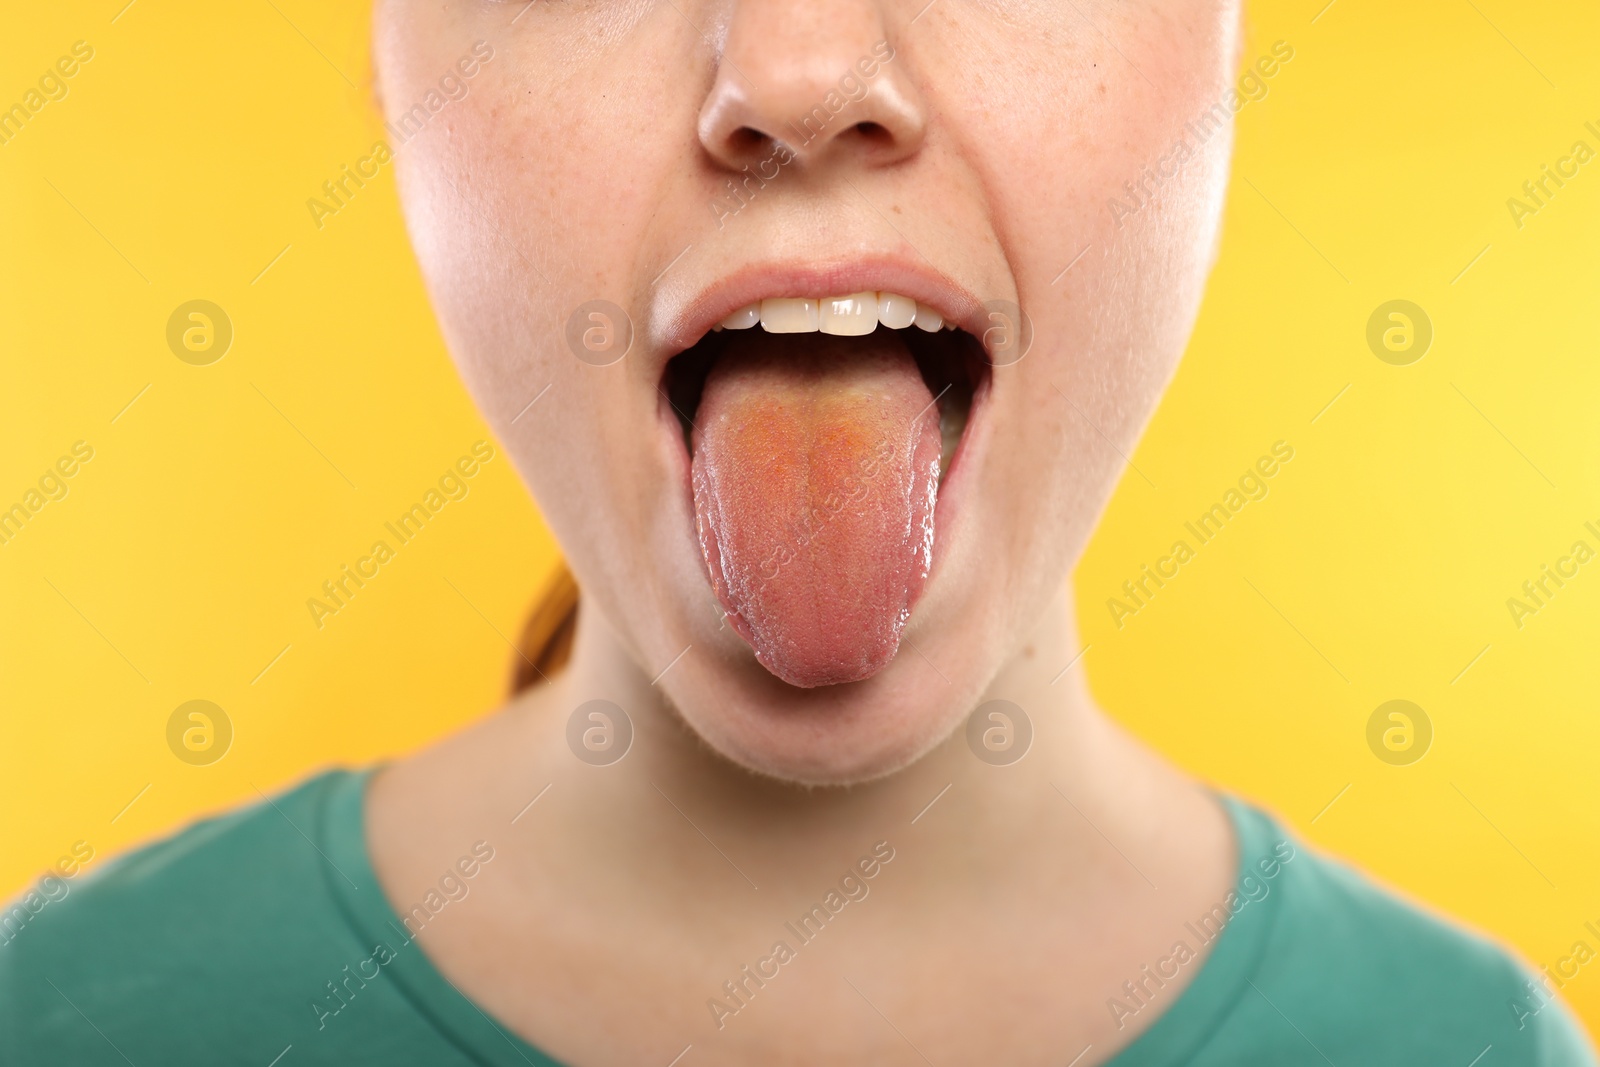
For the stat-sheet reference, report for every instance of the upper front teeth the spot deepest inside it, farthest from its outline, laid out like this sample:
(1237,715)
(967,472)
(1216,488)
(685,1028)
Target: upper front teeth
(788,315)
(845,316)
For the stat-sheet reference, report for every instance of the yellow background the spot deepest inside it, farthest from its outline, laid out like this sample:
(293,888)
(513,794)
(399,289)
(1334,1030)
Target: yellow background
(1378,167)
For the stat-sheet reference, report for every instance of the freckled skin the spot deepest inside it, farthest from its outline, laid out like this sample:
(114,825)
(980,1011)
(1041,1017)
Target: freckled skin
(574,170)
(816,467)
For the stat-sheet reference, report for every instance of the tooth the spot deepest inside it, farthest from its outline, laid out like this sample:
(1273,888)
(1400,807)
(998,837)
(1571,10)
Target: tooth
(849,316)
(896,311)
(952,423)
(788,314)
(928,319)
(744,318)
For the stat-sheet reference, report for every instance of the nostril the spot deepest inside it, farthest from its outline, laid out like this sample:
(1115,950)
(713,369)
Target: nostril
(747,139)
(795,108)
(874,134)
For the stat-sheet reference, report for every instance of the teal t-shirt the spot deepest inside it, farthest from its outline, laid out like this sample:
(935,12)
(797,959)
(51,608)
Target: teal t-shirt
(245,939)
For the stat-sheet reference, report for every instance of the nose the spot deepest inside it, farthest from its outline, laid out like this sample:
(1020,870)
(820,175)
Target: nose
(819,77)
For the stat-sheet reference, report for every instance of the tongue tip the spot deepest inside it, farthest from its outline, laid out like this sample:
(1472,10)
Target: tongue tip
(818,675)
(805,668)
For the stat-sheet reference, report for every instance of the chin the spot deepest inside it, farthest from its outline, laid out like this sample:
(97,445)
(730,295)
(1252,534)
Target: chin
(833,735)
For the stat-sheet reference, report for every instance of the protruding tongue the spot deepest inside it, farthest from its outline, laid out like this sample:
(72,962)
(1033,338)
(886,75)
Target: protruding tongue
(816,467)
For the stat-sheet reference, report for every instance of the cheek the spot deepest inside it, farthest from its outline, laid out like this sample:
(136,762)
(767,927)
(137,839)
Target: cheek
(513,239)
(1110,330)
(504,211)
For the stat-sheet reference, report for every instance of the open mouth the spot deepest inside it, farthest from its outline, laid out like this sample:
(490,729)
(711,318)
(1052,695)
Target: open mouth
(819,432)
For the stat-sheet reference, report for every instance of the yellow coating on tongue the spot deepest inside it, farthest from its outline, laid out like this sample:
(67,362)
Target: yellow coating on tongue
(816,468)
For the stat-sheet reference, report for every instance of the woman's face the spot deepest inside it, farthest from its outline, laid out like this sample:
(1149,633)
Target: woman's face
(626,173)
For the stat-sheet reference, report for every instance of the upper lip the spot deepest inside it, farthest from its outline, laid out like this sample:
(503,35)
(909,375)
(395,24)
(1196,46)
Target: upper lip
(680,327)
